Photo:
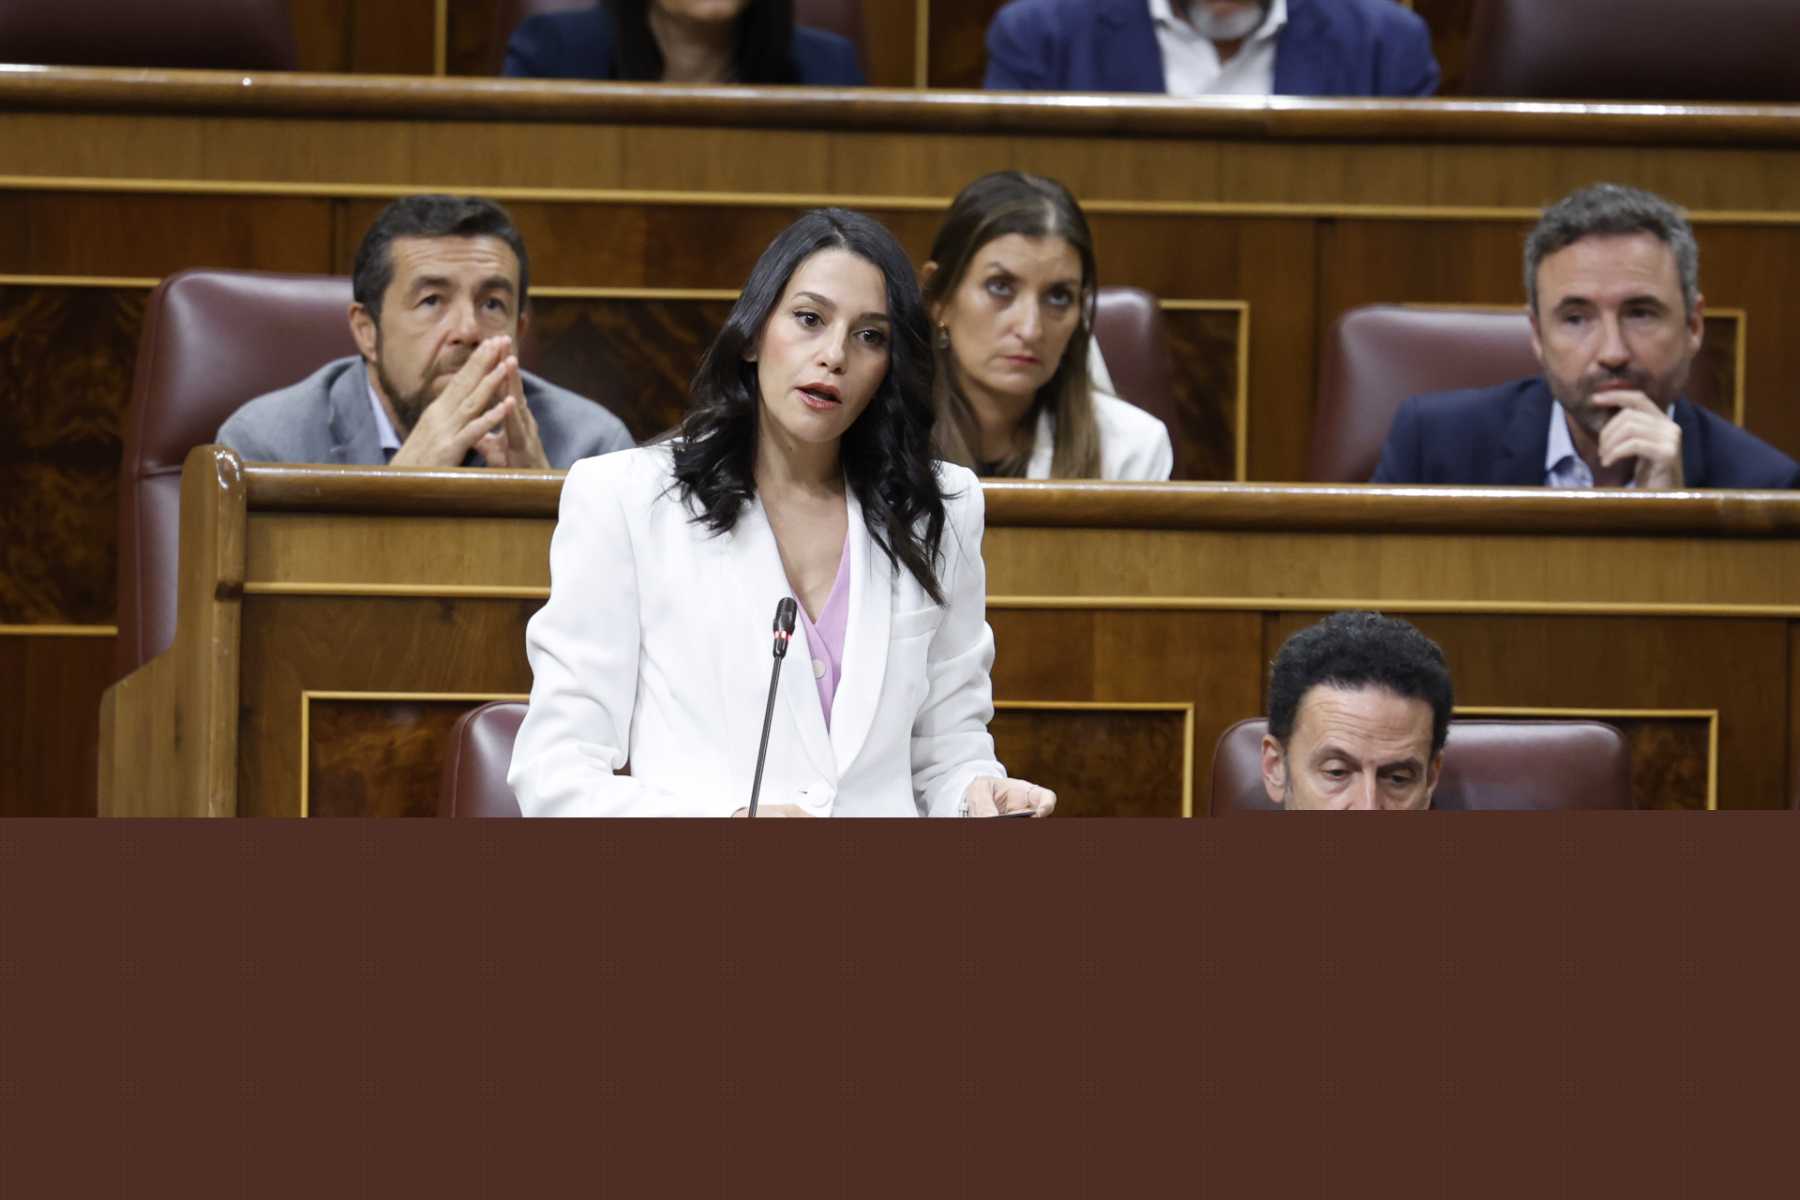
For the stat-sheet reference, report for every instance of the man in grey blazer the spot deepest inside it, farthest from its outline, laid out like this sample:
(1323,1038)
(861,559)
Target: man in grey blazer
(439,301)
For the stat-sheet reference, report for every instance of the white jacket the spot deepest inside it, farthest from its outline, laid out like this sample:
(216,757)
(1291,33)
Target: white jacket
(1133,444)
(655,649)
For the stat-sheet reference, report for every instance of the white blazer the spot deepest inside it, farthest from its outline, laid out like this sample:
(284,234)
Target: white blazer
(1133,444)
(656,644)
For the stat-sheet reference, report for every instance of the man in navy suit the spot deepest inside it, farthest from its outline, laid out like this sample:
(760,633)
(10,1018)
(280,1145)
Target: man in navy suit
(1212,47)
(1612,278)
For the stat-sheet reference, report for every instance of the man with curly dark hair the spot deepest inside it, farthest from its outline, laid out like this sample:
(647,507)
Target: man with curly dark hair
(1359,708)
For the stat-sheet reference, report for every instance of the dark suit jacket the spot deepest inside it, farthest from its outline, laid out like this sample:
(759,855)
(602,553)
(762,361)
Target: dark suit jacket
(1498,437)
(578,44)
(326,418)
(1328,48)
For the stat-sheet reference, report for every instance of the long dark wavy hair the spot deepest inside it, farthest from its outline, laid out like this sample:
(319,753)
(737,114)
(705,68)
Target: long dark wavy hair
(765,42)
(989,208)
(886,453)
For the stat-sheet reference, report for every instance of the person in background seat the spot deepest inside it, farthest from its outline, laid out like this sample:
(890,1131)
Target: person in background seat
(1612,285)
(440,293)
(682,41)
(1212,48)
(1359,710)
(1010,288)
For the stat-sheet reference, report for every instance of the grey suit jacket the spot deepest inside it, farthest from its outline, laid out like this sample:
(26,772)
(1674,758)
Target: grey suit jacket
(325,418)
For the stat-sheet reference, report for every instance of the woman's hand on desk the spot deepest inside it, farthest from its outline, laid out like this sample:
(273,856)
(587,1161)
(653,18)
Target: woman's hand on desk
(774,810)
(990,797)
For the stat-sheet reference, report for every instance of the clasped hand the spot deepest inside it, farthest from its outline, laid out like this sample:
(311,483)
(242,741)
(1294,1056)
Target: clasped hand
(482,408)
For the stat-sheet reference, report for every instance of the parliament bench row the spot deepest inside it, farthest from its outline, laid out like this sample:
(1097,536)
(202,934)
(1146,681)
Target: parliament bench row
(1518,48)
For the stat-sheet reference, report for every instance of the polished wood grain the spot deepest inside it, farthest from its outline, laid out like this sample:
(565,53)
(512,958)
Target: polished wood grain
(1669,758)
(475,43)
(1525,512)
(79,233)
(169,92)
(377,757)
(1450,22)
(169,731)
(66,358)
(1210,662)
(49,722)
(296,644)
(1099,762)
(1206,348)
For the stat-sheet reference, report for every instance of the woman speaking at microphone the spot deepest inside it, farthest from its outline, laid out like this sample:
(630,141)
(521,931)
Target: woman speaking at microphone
(804,470)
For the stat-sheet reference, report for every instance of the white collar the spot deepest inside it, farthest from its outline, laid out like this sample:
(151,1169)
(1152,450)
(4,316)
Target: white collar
(1163,14)
(1562,444)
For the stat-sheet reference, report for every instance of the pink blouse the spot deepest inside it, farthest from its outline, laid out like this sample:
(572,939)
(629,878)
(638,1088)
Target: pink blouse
(825,638)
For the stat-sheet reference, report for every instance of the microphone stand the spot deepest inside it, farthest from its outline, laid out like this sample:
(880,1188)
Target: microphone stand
(784,630)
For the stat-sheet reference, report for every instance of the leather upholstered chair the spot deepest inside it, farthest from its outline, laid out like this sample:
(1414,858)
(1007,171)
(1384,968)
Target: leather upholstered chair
(1635,49)
(1376,357)
(1489,766)
(1134,339)
(230,35)
(842,17)
(481,745)
(211,341)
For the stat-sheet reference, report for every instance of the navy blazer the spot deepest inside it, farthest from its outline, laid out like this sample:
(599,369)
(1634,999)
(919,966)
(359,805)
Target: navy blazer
(578,44)
(1498,437)
(1327,48)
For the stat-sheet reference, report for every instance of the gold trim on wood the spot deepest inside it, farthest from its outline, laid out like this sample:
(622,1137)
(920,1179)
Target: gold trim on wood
(308,696)
(74,631)
(921,43)
(413,697)
(93,281)
(440,38)
(1397,605)
(730,199)
(1186,709)
(633,293)
(1740,408)
(446,591)
(1709,715)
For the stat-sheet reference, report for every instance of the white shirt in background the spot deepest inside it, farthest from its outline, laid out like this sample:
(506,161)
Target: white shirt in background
(1191,65)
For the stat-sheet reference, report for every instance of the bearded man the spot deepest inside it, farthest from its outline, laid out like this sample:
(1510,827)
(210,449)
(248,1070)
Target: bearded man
(439,303)
(1212,48)
(1612,284)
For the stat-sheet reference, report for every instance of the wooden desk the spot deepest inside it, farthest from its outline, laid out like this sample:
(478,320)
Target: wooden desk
(334,622)
(1257,222)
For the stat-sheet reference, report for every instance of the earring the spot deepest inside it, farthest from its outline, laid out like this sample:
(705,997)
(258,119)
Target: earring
(943,338)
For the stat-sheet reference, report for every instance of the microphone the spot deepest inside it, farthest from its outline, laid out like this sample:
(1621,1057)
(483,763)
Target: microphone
(784,629)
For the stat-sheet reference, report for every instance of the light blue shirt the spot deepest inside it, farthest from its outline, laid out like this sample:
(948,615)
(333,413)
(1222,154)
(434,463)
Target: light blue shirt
(384,428)
(1563,467)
